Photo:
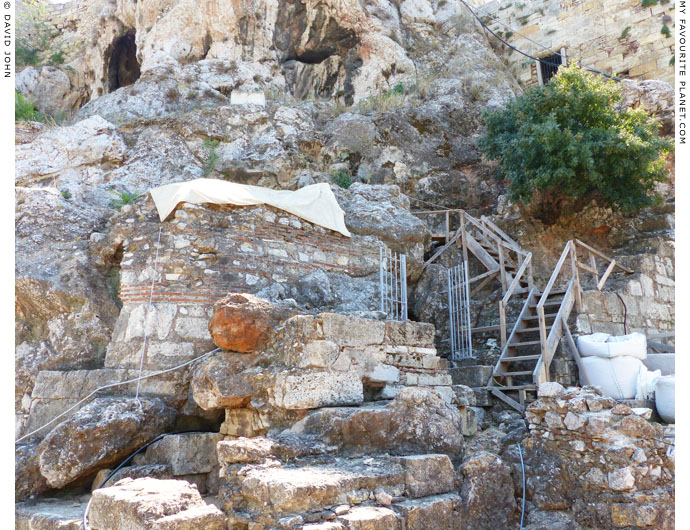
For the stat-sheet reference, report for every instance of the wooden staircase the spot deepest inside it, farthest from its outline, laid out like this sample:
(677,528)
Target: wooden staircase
(541,325)
(543,321)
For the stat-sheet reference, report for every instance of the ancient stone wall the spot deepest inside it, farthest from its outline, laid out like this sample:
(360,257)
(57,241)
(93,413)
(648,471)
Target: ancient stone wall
(644,303)
(622,476)
(203,254)
(618,37)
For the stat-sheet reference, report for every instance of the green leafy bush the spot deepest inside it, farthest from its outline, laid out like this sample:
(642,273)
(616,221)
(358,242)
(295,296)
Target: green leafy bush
(342,179)
(25,111)
(34,34)
(211,145)
(123,198)
(567,140)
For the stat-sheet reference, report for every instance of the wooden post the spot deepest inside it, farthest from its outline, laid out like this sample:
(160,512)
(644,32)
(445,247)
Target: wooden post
(593,264)
(447,226)
(464,237)
(502,265)
(504,324)
(576,277)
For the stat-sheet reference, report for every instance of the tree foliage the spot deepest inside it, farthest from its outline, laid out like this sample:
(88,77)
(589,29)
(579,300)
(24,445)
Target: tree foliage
(568,140)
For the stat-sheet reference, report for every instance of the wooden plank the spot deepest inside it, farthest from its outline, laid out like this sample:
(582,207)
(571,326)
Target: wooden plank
(516,279)
(510,401)
(445,247)
(432,212)
(575,353)
(481,285)
(463,228)
(660,347)
(481,254)
(605,277)
(500,232)
(502,265)
(504,323)
(602,255)
(576,275)
(593,264)
(483,275)
(554,275)
(586,268)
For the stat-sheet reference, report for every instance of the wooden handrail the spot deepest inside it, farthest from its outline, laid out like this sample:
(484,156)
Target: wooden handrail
(556,272)
(500,232)
(602,256)
(506,298)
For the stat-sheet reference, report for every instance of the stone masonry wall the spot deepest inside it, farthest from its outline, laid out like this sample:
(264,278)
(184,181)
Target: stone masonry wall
(602,463)
(204,253)
(649,298)
(614,36)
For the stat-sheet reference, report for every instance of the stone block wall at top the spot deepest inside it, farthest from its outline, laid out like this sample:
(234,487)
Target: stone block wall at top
(646,303)
(614,36)
(204,253)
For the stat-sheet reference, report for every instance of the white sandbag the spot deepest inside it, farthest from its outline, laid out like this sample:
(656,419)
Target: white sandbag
(605,345)
(616,376)
(646,380)
(665,397)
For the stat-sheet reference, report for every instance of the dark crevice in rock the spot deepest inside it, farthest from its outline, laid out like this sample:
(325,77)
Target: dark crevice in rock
(123,67)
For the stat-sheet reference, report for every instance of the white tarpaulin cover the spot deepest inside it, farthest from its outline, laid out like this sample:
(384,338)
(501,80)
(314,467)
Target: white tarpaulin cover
(315,203)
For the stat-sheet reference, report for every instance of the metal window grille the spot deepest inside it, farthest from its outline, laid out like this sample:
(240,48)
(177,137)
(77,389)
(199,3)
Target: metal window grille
(459,312)
(393,284)
(549,67)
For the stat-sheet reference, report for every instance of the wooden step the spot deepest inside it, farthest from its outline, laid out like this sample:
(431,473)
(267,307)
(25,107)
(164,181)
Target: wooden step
(527,343)
(520,358)
(546,315)
(513,387)
(511,374)
(530,330)
(554,303)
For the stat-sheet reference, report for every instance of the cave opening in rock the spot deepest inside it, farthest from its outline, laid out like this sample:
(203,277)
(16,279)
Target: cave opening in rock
(123,68)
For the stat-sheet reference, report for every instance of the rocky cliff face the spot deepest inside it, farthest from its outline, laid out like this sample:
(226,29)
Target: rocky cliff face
(380,99)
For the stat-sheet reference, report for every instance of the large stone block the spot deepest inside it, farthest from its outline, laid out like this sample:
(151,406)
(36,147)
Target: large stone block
(472,376)
(304,489)
(186,454)
(370,518)
(317,389)
(432,513)
(100,434)
(427,475)
(244,323)
(410,333)
(244,450)
(148,503)
(243,422)
(221,381)
(351,331)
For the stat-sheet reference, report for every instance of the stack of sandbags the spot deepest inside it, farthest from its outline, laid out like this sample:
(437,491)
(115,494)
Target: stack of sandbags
(615,365)
(664,397)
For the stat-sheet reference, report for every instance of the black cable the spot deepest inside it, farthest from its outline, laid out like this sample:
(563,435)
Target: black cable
(527,54)
(124,462)
(625,314)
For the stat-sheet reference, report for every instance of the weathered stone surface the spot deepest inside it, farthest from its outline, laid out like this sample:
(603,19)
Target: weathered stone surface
(186,454)
(317,389)
(243,422)
(417,420)
(159,471)
(432,513)
(99,434)
(303,489)
(487,493)
(244,323)
(370,518)
(49,514)
(48,88)
(156,504)
(221,381)
(427,475)
(244,450)
(550,389)
(28,480)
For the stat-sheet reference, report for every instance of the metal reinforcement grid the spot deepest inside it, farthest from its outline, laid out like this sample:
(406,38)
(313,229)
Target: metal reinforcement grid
(393,284)
(459,312)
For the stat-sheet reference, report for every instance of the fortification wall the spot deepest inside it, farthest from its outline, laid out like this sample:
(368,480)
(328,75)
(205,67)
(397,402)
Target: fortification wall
(615,36)
(203,254)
